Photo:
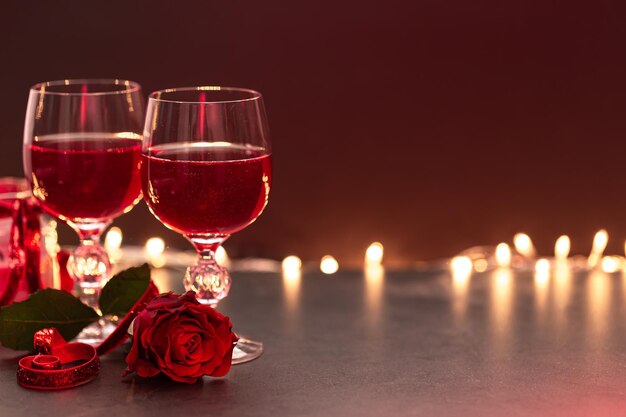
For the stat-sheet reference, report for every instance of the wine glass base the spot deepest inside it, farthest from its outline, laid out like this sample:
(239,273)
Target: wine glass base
(95,333)
(246,350)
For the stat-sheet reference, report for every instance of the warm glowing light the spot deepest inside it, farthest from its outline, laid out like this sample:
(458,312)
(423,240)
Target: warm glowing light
(292,275)
(561,248)
(374,275)
(611,264)
(374,253)
(291,263)
(481,265)
(155,246)
(597,249)
(598,295)
(542,266)
(221,256)
(113,239)
(291,268)
(502,305)
(524,245)
(562,293)
(113,243)
(542,279)
(329,265)
(503,255)
(374,280)
(461,267)
(600,240)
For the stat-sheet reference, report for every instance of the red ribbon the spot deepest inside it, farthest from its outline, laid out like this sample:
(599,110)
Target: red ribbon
(120,333)
(59,364)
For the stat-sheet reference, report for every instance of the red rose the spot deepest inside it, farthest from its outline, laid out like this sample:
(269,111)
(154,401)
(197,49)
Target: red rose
(182,338)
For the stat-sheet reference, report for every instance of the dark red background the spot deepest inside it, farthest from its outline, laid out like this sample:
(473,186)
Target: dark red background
(428,125)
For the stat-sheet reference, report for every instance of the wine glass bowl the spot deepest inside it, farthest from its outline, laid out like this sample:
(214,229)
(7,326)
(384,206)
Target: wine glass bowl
(206,172)
(82,151)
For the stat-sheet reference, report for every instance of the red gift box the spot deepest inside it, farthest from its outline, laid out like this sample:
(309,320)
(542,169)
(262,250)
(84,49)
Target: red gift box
(26,265)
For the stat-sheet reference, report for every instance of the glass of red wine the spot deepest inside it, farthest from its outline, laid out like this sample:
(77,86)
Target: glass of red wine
(82,151)
(206,173)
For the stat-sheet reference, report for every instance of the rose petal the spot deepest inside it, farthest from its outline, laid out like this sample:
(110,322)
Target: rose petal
(145,368)
(163,300)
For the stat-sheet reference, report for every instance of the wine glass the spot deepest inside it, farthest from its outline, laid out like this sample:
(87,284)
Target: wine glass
(82,151)
(206,173)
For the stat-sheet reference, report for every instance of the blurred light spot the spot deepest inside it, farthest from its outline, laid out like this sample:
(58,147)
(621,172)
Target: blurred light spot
(598,296)
(374,253)
(291,267)
(502,306)
(524,245)
(113,239)
(221,256)
(155,246)
(374,280)
(113,243)
(562,248)
(542,272)
(461,267)
(329,265)
(503,255)
(600,241)
(611,264)
(291,262)
(542,279)
(542,265)
(481,265)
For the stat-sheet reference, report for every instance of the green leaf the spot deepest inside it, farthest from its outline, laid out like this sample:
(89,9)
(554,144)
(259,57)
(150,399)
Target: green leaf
(123,290)
(45,308)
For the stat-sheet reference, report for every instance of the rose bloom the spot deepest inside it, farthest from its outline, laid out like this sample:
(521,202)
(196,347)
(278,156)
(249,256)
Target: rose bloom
(182,338)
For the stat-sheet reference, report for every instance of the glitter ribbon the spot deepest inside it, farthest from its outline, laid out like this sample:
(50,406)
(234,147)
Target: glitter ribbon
(59,364)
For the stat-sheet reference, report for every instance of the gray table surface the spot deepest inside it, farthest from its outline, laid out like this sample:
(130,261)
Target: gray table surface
(412,344)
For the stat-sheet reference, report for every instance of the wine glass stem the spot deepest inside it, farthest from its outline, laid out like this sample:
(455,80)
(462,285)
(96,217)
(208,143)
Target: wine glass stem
(89,264)
(210,281)
(90,294)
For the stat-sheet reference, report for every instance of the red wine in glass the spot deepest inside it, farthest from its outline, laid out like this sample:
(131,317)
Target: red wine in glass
(86,175)
(216,189)
(82,151)
(206,173)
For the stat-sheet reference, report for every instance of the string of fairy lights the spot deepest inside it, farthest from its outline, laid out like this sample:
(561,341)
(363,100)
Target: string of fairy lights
(521,255)
(154,253)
